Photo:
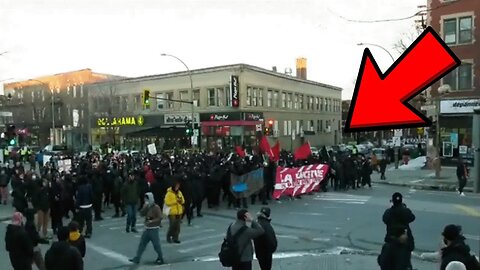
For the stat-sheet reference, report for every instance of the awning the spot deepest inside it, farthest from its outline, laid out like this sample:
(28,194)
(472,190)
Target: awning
(230,123)
(158,131)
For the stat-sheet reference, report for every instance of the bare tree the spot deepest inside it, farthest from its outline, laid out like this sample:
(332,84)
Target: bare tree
(407,39)
(104,99)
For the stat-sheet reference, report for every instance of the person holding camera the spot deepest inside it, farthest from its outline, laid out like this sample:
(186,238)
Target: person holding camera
(399,215)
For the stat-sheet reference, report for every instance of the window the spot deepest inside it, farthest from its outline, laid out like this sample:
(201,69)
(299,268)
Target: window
(310,103)
(117,102)
(260,97)
(295,102)
(184,97)
(330,105)
(125,104)
(34,112)
(254,98)
(297,127)
(81,90)
(289,100)
(212,97)
(59,113)
(317,103)
(68,90)
(33,96)
(318,125)
(169,96)
(269,98)
(275,99)
(312,125)
(289,129)
(68,111)
(136,102)
(160,102)
(321,104)
(196,97)
(284,99)
(43,95)
(249,96)
(228,96)
(300,101)
(460,78)
(458,30)
(221,98)
(74,92)
(285,128)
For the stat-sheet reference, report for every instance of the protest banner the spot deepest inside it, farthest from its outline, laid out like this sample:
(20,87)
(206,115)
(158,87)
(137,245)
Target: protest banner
(300,180)
(243,186)
(64,165)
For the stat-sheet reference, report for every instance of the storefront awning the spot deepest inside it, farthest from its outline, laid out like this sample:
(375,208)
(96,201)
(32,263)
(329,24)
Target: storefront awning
(230,123)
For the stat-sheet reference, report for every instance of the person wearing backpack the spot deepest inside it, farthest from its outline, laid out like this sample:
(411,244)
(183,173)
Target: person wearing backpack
(265,244)
(455,249)
(237,248)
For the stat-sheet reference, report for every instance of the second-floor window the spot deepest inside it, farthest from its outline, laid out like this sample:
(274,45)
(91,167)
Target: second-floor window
(458,30)
(300,102)
(284,100)
(460,78)
(260,97)
(160,101)
(137,102)
(275,99)
(269,98)
(212,97)
(289,100)
(249,96)
(184,97)
(295,102)
(196,97)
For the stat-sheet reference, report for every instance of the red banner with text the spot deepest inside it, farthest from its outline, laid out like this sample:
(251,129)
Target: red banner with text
(300,180)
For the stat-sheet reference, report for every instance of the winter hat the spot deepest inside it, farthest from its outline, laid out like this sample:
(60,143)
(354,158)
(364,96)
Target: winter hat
(149,198)
(455,265)
(397,198)
(265,211)
(451,232)
(17,219)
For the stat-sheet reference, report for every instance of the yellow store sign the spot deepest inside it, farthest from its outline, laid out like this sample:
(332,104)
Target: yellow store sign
(120,121)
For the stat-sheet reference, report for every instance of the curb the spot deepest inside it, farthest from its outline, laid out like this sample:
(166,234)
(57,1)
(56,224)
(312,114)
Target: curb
(423,186)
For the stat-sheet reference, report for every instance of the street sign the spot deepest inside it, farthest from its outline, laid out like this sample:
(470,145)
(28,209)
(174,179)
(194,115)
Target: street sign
(428,107)
(258,127)
(397,142)
(398,133)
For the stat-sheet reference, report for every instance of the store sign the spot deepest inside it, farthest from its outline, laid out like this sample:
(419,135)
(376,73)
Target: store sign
(459,106)
(234,90)
(253,116)
(220,117)
(180,118)
(120,121)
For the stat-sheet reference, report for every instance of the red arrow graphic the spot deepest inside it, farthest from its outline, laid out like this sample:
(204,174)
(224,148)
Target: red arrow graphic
(380,100)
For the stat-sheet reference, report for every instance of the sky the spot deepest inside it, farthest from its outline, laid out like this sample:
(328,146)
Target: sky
(127,37)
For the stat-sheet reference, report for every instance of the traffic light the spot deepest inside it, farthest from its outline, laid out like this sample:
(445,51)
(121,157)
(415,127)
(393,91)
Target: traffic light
(188,128)
(11,135)
(146,97)
(268,129)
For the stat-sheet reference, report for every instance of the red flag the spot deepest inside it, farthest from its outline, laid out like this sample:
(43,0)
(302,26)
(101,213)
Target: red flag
(265,147)
(276,152)
(240,151)
(303,152)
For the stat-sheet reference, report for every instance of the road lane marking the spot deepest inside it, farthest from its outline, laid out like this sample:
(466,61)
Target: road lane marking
(109,253)
(306,213)
(203,238)
(472,237)
(468,210)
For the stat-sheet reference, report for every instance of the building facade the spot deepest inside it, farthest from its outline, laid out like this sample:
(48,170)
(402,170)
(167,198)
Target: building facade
(52,109)
(458,24)
(232,105)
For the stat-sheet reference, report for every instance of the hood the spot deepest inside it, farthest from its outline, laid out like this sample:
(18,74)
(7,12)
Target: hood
(458,246)
(13,228)
(261,215)
(74,236)
(149,198)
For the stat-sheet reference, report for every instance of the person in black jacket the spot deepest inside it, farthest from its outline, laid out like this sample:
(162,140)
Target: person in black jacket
(265,244)
(18,244)
(399,215)
(84,202)
(456,249)
(62,255)
(395,253)
(462,175)
(35,238)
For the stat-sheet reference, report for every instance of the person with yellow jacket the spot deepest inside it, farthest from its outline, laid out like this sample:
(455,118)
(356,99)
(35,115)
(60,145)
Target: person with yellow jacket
(174,208)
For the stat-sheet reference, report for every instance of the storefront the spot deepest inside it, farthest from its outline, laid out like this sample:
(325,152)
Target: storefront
(456,127)
(226,130)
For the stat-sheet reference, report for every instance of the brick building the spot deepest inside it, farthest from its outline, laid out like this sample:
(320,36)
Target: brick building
(458,23)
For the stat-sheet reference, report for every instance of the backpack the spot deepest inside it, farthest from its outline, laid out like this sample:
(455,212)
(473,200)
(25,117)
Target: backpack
(228,254)
(472,263)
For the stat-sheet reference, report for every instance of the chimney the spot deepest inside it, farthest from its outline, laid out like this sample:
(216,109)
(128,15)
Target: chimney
(302,68)
(274,68)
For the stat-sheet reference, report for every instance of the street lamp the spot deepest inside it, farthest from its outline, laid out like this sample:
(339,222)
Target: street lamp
(191,86)
(393,60)
(52,139)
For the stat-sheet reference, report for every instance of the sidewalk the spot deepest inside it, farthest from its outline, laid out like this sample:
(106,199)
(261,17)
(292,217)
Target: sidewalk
(422,179)
(308,262)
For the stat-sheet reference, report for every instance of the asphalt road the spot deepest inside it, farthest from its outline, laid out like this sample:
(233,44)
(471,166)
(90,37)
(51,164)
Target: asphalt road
(329,223)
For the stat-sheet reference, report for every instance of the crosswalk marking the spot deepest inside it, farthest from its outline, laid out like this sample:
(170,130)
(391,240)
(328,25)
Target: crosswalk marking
(342,198)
